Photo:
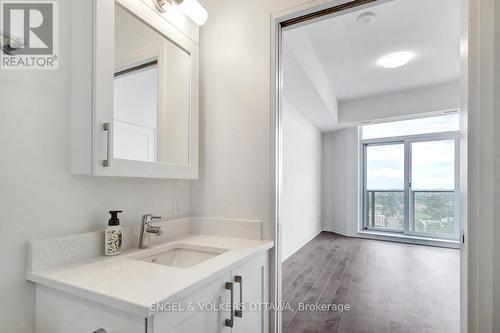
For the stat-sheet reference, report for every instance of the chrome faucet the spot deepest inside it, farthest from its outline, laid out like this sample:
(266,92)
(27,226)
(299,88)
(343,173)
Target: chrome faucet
(148,228)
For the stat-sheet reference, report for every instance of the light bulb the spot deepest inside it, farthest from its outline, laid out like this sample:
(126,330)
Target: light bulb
(396,59)
(194,11)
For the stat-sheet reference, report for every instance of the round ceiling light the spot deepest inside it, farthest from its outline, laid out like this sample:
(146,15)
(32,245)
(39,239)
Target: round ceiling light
(396,59)
(366,18)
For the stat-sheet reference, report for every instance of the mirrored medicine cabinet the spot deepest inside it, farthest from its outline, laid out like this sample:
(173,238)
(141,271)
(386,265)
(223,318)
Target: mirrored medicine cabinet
(136,115)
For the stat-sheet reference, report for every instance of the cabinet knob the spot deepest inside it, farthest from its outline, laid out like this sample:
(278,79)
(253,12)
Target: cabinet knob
(101,330)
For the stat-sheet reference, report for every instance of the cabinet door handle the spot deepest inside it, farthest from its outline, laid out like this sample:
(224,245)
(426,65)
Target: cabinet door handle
(230,322)
(101,330)
(239,312)
(107,162)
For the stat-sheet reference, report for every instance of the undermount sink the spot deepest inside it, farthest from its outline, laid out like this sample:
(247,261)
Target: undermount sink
(182,256)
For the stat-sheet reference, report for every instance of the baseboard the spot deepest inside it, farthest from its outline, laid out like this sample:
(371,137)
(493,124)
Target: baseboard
(406,239)
(345,234)
(307,240)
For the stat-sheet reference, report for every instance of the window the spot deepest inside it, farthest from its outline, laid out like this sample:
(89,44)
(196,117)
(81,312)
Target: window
(446,123)
(410,181)
(385,186)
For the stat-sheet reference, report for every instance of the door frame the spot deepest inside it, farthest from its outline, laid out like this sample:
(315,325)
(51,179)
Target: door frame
(321,9)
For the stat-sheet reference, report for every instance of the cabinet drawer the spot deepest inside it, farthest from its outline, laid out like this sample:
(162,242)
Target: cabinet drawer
(58,312)
(201,311)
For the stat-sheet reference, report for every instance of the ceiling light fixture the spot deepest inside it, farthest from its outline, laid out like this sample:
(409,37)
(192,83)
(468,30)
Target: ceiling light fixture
(396,59)
(366,18)
(191,8)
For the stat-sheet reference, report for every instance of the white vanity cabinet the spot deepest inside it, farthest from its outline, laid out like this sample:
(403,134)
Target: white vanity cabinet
(59,312)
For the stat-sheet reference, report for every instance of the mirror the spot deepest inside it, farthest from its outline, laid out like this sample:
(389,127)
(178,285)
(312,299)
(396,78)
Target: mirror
(151,94)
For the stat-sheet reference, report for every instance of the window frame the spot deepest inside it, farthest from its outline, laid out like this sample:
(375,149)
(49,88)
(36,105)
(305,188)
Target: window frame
(407,142)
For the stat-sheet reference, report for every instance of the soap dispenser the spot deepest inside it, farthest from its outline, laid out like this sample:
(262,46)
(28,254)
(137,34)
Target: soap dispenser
(113,235)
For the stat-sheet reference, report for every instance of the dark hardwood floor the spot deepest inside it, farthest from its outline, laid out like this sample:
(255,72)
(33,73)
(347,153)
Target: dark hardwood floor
(390,287)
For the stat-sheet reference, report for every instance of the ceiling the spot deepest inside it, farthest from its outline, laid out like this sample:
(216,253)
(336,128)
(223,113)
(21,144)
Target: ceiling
(335,60)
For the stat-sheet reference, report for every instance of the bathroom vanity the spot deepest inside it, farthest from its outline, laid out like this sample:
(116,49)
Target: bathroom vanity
(195,284)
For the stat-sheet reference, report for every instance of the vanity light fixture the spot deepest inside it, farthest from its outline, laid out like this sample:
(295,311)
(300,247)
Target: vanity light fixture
(396,59)
(9,45)
(191,8)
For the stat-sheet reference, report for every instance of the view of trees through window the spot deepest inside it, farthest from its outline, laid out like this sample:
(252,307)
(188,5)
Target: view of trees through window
(434,212)
(389,210)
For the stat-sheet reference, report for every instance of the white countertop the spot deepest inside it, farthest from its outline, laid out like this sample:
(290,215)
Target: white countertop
(136,286)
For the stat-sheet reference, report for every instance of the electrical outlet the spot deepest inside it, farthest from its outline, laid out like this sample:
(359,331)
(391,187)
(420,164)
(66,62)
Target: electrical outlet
(177,206)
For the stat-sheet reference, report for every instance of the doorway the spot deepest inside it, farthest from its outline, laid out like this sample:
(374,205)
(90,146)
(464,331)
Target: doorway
(412,219)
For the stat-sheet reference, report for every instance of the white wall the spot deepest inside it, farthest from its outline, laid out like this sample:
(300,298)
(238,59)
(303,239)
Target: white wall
(305,82)
(301,201)
(438,97)
(39,198)
(235,109)
(340,181)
